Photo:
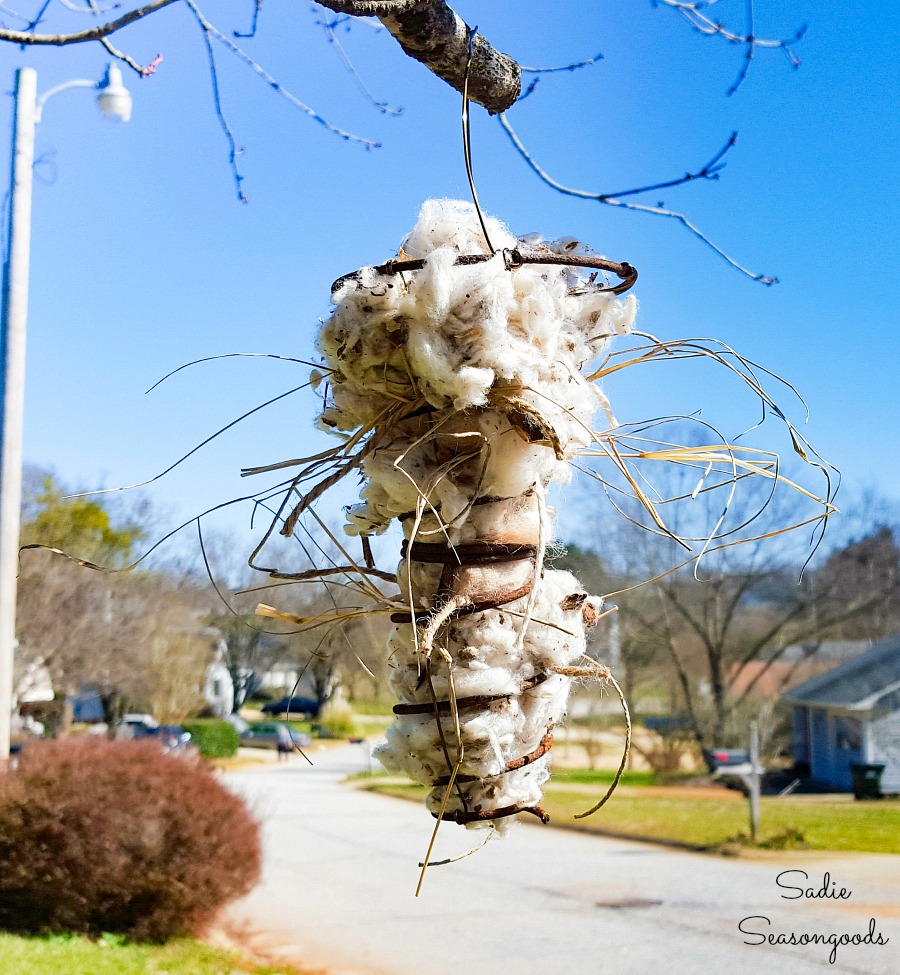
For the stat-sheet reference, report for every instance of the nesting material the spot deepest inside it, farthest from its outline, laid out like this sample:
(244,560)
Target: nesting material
(471,379)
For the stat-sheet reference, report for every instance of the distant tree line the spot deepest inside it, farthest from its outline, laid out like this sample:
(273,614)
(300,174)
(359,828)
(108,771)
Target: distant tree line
(142,639)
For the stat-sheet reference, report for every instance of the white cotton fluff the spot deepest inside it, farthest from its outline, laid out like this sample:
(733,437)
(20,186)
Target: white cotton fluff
(466,340)
(488,662)
(470,379)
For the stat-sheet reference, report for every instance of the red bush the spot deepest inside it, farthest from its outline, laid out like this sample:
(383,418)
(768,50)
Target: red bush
(98,836)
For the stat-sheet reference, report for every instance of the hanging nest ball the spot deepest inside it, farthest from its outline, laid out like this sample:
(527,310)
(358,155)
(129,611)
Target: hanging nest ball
(464,371)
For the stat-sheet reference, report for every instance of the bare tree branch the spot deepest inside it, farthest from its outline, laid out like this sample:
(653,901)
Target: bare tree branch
(142,70)
(431,32)
(4,8)
(217,101)
(257,4)
(91,34)
(371,8)
(328,26)
(275,85)
(693,14)
(610,200)
(574,66)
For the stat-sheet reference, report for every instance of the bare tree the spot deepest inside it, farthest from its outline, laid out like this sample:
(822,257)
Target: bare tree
(104,629)
(177,668)
(742,603)
(249,650)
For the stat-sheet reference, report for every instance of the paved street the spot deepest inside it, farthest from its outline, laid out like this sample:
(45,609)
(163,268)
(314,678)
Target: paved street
(340,876)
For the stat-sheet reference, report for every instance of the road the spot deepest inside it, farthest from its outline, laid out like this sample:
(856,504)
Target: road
(340,875)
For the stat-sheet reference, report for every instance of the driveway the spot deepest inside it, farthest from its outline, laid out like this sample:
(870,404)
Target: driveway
(340,876)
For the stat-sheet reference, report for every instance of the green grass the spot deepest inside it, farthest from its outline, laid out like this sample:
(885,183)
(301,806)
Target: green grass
(838,825)
(68,955)
(378,708)
(605,777)
(715,823)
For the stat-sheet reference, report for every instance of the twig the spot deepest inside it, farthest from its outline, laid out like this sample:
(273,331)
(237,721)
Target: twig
(13,13)
(562,67)
(217,102)
(643,208)
(749,52)
(272,83)
(142,70)
(700,22)
(39,16)
(257,5)
(710,171)
(90,9)
(383,107)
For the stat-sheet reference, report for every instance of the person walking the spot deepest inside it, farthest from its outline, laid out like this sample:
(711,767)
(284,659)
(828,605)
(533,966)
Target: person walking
(285,743)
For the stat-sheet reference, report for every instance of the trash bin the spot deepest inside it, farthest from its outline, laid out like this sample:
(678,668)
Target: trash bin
(867,781)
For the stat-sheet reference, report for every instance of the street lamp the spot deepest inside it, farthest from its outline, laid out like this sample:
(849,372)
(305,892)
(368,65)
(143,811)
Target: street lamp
(113,98)
(114,102)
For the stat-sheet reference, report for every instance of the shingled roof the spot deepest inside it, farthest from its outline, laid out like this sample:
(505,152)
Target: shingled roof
(868,682)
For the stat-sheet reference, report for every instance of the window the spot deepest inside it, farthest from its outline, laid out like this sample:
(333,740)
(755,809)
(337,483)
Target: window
(847,733)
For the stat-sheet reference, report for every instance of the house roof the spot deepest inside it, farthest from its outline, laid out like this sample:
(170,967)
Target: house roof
(828,651)
(868,682)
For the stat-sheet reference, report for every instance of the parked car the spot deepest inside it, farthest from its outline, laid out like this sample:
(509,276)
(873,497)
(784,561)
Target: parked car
(136,726)
(265,734)
(307,706)
(171,737)
(722,758)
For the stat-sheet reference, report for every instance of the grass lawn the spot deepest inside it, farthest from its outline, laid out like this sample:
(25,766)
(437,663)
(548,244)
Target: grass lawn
(817,823)
(68,955)
(374,708)
(605,777)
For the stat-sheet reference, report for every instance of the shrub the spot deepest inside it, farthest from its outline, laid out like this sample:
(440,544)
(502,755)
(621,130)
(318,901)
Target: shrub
(215,739)
(114,836)
(335,719)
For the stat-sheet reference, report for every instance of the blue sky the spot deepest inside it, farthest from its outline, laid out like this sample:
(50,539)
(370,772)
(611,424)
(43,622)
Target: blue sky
(142,259)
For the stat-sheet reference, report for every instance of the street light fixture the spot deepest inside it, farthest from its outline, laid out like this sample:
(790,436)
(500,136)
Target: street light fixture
(114,101)
(113,98)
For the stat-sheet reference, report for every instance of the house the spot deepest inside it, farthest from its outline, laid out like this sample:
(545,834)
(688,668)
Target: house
(281,678)
(851,715)
(218,687)
(795,664)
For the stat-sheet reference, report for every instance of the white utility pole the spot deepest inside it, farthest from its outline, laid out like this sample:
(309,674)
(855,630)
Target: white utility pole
(12,392)
(114,102)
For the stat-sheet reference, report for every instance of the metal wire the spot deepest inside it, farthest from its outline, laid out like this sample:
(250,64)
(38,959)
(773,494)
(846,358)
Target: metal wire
(515,258)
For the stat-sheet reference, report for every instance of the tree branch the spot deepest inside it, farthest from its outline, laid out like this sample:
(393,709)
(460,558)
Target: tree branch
(684,682)
(693,14)
(142,70)
(211,30)
(643,208)
(370,8)
(432,33)
(91,34)
(574,66)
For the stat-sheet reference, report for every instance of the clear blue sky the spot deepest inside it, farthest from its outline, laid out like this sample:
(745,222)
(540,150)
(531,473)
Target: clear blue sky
(142,259)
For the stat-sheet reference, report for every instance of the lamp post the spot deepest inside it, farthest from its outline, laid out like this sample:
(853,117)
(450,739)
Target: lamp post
(114,101)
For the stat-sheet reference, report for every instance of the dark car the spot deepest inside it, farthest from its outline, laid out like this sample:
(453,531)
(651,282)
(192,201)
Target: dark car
(171,737)
(723,758)
(265,734)
(307,706)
